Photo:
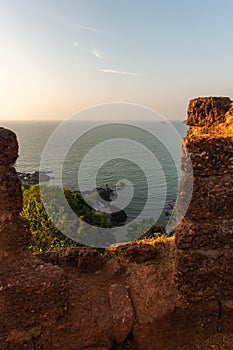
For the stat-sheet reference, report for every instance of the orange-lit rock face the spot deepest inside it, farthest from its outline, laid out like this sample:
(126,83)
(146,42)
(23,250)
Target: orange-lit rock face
(205,111)
(205,233)
(209,155)
(212,116)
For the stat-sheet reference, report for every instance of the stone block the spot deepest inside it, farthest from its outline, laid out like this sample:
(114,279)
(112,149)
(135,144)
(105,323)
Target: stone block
(207,110)
(122,312)
(216,234)
(206,155)
(205,274)
(205,197)
(31,293)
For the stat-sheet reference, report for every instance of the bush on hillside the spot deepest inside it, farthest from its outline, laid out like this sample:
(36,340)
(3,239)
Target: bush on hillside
(46,236)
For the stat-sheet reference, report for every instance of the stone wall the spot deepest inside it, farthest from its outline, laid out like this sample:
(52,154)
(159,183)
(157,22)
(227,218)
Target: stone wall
(33,295)
(149,295)
(204,239)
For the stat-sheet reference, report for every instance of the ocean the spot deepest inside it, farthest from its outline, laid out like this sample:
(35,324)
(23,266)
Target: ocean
(144,156)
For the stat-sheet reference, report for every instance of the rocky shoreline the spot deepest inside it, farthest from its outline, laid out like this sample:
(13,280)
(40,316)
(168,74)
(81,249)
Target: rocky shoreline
(116,217)
(104,194)
(34,178)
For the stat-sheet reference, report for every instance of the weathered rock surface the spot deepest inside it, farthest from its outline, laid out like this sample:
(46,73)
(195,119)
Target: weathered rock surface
(204,238)
(193,234)
(152,295)
(205,274)
(212,196)
(122,312)
(216,151)
(11,199)
(136,252)
(8,147)
(89,260)
(33,295)
(208,110)
(11,241)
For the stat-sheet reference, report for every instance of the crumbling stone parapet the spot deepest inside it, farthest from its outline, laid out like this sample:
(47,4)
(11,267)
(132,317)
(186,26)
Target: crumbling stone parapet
(204,238)
(205,111)
(33,295)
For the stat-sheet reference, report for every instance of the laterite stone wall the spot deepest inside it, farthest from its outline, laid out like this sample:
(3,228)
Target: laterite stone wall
(204,238)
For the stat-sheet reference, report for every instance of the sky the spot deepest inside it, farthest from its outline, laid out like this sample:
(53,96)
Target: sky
(58,57)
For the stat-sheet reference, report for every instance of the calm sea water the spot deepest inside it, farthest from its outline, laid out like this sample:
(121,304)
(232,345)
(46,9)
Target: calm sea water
(131,163)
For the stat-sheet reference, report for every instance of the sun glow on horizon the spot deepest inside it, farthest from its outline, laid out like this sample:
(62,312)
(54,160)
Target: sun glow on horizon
(58,58)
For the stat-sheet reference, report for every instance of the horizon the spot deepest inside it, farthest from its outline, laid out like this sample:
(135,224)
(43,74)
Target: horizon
(90,120)
(64,57)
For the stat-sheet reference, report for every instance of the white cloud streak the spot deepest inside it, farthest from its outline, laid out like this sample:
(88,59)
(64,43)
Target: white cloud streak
(97,54)
(113,71)
(90,29)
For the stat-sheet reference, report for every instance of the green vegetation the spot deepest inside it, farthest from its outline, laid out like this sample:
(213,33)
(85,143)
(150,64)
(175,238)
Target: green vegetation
(46,236)
(145,229)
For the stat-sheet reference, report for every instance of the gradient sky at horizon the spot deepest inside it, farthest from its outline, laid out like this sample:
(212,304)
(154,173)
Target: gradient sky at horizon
(58,57)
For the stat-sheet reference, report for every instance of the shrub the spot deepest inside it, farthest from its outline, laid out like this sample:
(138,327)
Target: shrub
(45,235)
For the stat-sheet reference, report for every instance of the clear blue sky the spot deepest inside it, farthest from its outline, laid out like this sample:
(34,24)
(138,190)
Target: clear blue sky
(59,56)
